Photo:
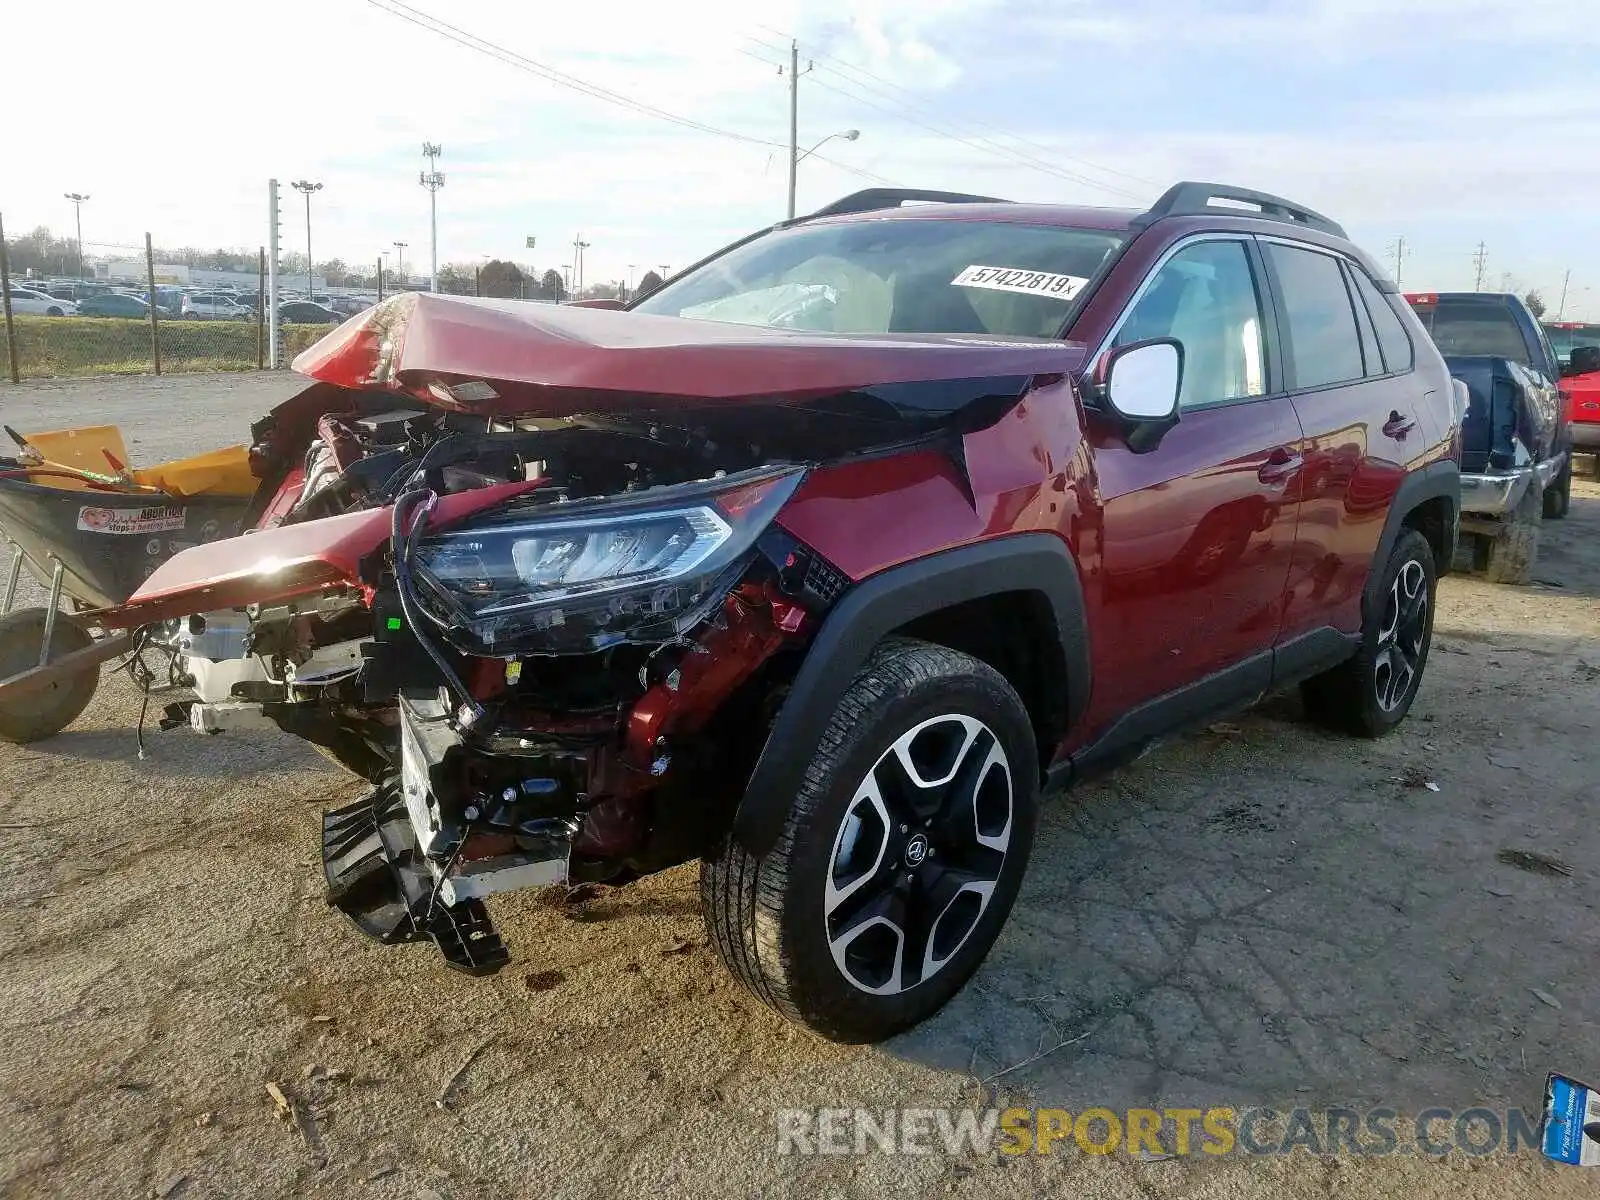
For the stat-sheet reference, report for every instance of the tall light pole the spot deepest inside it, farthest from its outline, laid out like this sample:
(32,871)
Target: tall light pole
(77,199)
(578,247)
(400,262)
(433,180)
(307,187)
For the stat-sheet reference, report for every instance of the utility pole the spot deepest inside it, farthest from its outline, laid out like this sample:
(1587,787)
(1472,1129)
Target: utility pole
(400,262)
(433,181)
(1398,249)
(1561,309)
(306,186)
(77,199)
(794,117)
(1480,258)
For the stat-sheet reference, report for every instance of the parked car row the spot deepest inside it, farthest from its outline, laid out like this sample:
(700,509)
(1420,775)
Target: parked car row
(198,306)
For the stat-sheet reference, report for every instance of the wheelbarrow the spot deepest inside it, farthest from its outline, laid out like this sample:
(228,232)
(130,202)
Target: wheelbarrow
(89,529)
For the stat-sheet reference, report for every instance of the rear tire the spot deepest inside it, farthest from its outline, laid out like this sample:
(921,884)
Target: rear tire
(34,716)
(1370,694)
(1558,497)
(900,857)
(1510,556)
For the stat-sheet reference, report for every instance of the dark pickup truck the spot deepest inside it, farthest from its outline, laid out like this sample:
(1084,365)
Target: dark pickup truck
(1516,454)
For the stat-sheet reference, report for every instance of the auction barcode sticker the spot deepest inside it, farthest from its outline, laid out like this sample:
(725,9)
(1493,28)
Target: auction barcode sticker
(1031,283)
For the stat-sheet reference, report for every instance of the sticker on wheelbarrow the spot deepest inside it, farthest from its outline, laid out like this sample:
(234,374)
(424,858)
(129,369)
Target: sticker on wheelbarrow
(134,521)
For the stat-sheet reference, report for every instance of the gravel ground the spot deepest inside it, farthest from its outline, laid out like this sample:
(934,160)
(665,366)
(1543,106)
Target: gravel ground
(1258,914)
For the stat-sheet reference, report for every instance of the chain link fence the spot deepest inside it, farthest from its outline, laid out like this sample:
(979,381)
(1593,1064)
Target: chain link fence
(121,310)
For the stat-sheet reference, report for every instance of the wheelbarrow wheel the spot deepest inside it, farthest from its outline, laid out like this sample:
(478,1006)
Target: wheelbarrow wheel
(35,715)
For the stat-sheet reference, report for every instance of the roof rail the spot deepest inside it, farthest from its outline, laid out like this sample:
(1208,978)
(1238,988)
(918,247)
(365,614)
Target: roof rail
(1194,199)
(872,198)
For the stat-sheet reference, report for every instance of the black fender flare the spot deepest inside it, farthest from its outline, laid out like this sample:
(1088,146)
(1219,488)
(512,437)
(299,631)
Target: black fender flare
(875,608)
(1436,480)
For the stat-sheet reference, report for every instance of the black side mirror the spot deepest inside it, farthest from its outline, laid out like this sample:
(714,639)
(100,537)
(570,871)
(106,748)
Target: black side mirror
(1585,359)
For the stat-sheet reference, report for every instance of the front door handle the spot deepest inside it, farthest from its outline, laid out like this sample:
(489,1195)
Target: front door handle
(1397,426)
(1280,465)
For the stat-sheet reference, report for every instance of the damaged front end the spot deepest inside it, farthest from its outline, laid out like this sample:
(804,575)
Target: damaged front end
(558,679)
(550,616)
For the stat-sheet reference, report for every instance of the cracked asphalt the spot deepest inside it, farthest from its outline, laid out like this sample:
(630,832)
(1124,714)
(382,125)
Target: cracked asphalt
(1258,914)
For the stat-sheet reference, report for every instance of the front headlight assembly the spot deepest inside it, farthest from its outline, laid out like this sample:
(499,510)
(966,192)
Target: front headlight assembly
(570,578)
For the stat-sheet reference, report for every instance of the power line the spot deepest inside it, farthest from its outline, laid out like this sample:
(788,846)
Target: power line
(859,77)
(983,145)
(454,33)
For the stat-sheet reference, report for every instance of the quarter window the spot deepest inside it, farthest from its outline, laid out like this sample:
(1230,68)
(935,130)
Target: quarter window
(1392,338)
(1324,346)
(1205,296)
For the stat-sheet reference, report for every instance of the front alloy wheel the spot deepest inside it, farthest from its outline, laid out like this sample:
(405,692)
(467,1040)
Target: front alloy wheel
(900,857)
(918,854)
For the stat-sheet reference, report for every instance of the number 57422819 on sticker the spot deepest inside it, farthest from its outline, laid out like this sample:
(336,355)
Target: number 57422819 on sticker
(1011,279)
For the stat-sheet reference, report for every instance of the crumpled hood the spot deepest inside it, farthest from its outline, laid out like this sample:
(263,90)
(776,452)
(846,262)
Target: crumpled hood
(513,358)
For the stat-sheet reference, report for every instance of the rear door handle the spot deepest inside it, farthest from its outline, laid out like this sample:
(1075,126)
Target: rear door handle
(1280,465)
(1397,426)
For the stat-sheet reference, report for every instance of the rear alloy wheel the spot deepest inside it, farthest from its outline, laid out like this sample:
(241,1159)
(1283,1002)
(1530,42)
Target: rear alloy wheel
(901,855)
(1369,694)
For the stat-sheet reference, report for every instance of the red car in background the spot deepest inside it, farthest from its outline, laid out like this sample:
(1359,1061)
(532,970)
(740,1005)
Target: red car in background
(1578,346)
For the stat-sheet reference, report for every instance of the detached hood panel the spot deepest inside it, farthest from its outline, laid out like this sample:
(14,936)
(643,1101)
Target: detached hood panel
(512,358)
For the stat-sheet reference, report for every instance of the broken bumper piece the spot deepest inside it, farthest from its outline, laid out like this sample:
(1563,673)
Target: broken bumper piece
(377,877)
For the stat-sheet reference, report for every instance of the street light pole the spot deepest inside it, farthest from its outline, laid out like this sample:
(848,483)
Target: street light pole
(77,199)
(400,262)
(433,180)
(307,187)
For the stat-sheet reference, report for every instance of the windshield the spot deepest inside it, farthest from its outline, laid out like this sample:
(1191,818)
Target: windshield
(897,276)
(1465,326)
(1563,338)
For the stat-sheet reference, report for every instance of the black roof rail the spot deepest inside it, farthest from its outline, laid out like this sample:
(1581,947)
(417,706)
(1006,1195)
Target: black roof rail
(873,198)
(1195,199)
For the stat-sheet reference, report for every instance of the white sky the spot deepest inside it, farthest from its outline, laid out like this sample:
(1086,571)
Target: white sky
(1445,122)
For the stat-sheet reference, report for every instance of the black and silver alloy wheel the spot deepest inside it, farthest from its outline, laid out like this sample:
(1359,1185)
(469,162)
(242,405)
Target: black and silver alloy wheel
(918,854)
(1370,693)
(1402,637)
(899,857)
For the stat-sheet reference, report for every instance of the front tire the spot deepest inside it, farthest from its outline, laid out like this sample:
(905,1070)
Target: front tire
(1371,693)
(900,857)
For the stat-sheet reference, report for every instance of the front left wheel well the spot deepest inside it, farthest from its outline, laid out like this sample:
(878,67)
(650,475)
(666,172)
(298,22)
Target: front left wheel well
(1015,633)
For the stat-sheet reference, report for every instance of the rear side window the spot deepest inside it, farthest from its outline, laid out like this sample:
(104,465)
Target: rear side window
(1398,354)
(1324,346)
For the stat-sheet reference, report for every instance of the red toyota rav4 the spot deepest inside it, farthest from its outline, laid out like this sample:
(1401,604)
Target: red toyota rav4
(823,562)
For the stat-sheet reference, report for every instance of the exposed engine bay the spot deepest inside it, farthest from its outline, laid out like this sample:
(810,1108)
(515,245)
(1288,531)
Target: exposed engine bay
(566,684)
